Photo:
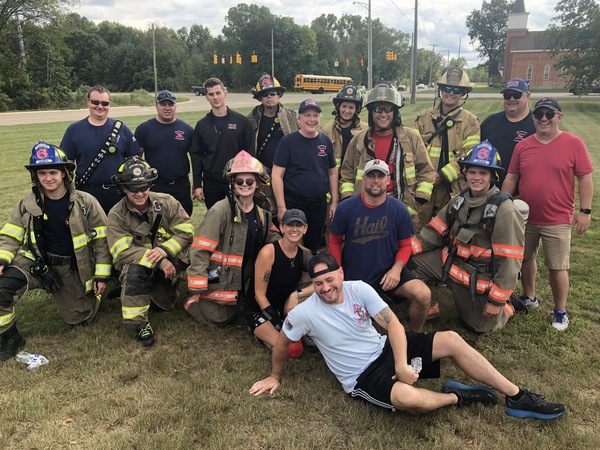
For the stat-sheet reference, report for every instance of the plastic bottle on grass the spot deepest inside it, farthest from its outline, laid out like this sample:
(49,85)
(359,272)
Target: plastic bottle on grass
(33,361)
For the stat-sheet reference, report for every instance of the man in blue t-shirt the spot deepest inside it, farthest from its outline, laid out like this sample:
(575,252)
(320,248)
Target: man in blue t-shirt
(165,142)
(376,230)
(84,139)
(304,171)
(383,369)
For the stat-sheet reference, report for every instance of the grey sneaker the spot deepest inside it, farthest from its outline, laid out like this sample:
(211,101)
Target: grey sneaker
(468,395)
(530,303)
(561,320)
(532,405)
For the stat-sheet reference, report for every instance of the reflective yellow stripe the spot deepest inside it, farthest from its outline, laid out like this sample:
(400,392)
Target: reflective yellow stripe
(7,318)
(80,241)
(6,255)
(132,312)
(450,173)
(173,246)
(89,285)
(434,152)
(471,141)
(27,254)
(425,188)
(122,244)
(103,270)
(185,227)
(100,232)
(13,231)
(144,261)
(410,172)
(411,211)
(347,188)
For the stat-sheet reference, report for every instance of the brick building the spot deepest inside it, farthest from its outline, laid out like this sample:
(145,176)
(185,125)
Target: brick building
(525,53)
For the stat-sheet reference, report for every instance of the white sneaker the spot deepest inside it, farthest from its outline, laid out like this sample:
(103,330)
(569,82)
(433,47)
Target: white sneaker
(561,320)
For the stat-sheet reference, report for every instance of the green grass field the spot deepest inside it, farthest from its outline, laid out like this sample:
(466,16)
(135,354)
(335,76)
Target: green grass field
(101,390)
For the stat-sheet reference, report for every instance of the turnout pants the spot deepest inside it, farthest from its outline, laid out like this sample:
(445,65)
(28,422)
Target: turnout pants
(142,287)
(429,267)
(73,304)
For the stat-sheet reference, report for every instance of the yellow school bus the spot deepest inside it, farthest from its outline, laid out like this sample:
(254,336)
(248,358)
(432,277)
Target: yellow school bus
(317,84)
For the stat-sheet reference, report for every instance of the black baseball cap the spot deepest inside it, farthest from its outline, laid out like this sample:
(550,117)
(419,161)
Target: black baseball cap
(547,102)
(308,104)
(166,95)
(294,215)
(322,258)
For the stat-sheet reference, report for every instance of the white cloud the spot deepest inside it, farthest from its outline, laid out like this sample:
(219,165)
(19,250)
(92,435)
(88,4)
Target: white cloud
(440,22)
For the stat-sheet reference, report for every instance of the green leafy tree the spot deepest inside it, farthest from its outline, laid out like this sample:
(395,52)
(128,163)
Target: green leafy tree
(578,32)
(487,29)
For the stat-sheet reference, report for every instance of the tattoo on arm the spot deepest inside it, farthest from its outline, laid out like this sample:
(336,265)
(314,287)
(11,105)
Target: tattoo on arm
(385,315)
(266,276)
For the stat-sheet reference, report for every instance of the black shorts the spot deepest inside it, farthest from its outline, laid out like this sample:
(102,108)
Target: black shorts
(405,276)
(375,384)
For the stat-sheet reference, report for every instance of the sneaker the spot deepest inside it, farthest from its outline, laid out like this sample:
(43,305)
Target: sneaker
(470,394)
(518,303)
(146,336)
(434,313)
(533,405)
(561,320)
(529,302)
(10,343)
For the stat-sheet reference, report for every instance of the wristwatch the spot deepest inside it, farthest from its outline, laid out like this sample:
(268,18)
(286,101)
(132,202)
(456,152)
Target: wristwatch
(585,210)
(300,294)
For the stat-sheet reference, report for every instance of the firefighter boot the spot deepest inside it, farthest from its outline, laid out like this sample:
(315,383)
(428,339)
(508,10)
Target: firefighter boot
(11,342)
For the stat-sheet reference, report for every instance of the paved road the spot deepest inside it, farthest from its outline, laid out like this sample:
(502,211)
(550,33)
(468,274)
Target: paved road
(196,104)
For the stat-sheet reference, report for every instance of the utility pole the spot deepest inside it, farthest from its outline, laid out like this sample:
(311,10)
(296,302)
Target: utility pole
(413,75)
(459,42)
(154,59)
(433,46)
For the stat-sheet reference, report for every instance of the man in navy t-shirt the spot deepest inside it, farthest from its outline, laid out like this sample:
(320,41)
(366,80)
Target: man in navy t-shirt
(304,171)
(376,231)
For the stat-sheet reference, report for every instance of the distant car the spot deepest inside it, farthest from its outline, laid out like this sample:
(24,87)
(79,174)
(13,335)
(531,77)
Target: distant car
(402,88)
(199,90)
(580,89)
(420,86)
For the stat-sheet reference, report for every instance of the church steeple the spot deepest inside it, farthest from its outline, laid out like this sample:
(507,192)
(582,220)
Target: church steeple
(517,18)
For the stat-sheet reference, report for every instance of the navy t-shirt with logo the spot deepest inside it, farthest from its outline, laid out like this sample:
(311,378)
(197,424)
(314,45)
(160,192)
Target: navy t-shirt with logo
(307,162)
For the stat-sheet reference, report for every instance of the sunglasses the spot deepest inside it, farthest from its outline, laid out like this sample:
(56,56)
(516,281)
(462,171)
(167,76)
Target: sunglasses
(271,94)
(240,181)
(539,115)
(515,95)
(135,190)
(452,90)
(99,102)
(383,109)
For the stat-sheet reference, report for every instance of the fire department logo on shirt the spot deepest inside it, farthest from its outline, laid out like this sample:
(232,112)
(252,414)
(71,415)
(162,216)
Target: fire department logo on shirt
(322,150)
(179,135)
(232,126)
(359,313)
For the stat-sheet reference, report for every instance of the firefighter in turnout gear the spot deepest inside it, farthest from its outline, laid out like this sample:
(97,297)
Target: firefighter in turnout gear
(270,122)
(347,105)
(55,239)
(226,245)
(411,172)
(449,132)
(475,244)
(148,236)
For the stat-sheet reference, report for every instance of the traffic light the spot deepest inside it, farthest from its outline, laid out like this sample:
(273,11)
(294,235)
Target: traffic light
(238,58)
(254,58)
(215,59)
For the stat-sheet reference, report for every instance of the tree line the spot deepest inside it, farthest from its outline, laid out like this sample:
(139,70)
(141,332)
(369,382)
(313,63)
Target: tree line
(49,56)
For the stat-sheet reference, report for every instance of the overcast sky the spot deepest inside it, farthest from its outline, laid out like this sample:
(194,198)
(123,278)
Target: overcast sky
(441,22)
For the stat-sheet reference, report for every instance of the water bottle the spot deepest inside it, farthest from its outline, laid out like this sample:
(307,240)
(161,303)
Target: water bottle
(33,361)
(416,364)
(214,274)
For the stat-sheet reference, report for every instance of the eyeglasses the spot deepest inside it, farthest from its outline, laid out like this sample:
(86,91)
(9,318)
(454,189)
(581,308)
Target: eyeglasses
(135,190)
(539,114)
(99,102)
(271,94)
(383,109)
(452,90)
(240,181)
(515,95)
